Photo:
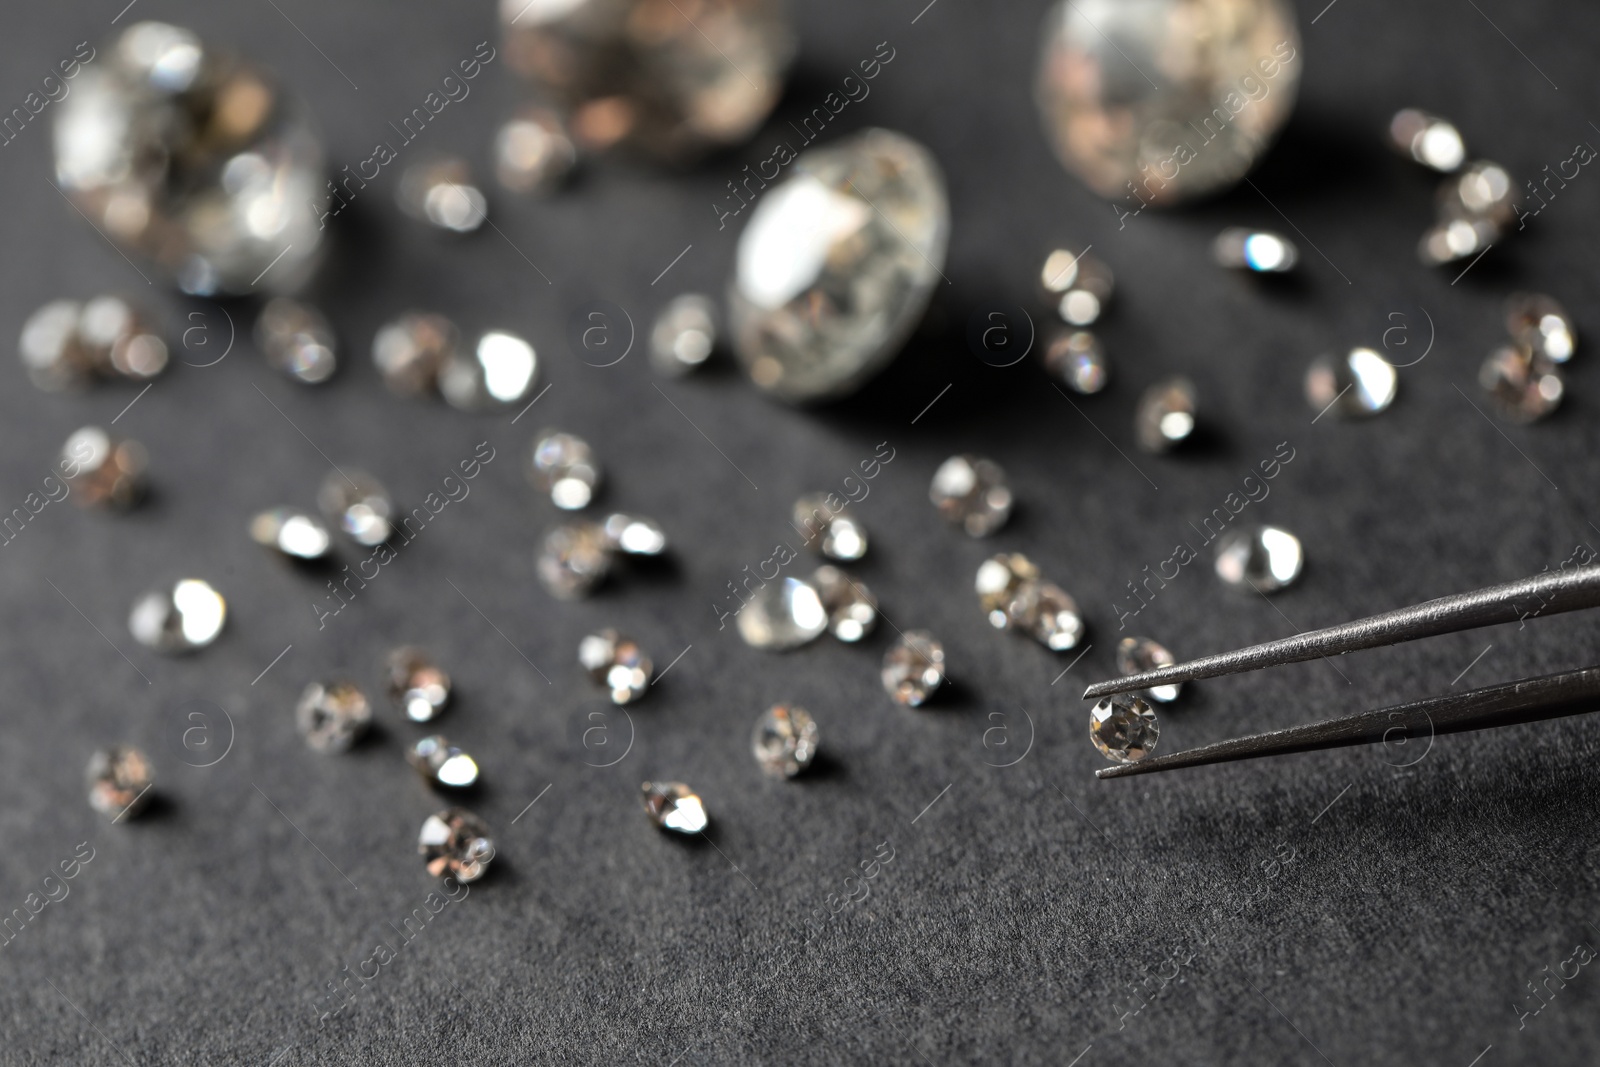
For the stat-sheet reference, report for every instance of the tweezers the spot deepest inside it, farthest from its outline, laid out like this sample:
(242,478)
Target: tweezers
(1552,696)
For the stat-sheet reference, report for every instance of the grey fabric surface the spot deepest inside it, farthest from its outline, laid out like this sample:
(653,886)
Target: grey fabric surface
(1335,907)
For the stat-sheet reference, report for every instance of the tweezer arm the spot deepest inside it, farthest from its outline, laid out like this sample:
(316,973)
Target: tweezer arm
(1553,696)
(1543,594)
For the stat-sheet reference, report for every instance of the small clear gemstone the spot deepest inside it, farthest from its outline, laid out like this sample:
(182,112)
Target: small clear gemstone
(292,532)
(851,607)
(783,614)
(1077,360)
(1474,208)
(1456,239)
(785,740)
(1362,383)
(1079,284)
(1136,655)
(1165,417)
(574,559)
(684,335)
(1123,728)
(635,535)
(119,780)
(1260,558)
(999,578)
(456,845)
(913,668)
(1540,324)
(1524,386)
(500,371)
(1045,612)
(827,527)
(102,469)
(442,763)
(674,806)
(187,617)
(441,193)
(53,353)
(417,684)
(972,493)
(410,351)
(563,465)
(617,663)
(297,340)
(332,717)
(532,152)
(1258,250)
(357,503)
(121,340)
(1428,139)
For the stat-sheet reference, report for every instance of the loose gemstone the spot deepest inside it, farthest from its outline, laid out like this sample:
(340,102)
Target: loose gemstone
(297,341)
(1045,612)
(1362,383)
(851,607)
(442,763)
(684,334)
(1523,386)
(102,469)
(1475,207)
(1261,251)
(563,465)
(1260,558)
(532,152)
(635,535)
(119,780)
(1076,360)
(1119,85)
(121,340)
(836,265)
(1165,417)
(1428,139)
(835,534)
(782,614)
(1537,322)
(417,684)
(357,504)
(999,578)
(913,668)
(785,740)
(674,806)
(53,352)
(411,350)
(292,532)
(1456,239)
(441,193)
(1078,284)
(456,845)
(617,663)
(1136,655)
(500,371)
(332,717)
(971,492)
(1123,728)
(667,80)
(187,617)
(574,559)
(845,540)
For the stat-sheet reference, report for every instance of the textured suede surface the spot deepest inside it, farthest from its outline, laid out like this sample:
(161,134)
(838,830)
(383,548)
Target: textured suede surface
(1367,906)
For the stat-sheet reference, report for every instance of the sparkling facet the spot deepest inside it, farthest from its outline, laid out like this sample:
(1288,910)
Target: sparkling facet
(410,351)
(851,607)
(292,532)
(1523,386)
(456,845)
(972,493)
(102,469)
(1120,85)
(500,371)
(442,763)
(1259,558)
(441,193)
(1362,383)
(635,535)
(784,740)
(574,559)
(297,340)
(119,779)
(563,465)
(782,614)
(1258,250)
(836,265)
(674,806)
(1076,360)
(1165,417)
(1136,655)
(617,663)
(532,152)
(332,717)
(913,668)
(1428,139)
(1540,324)
(417,684)
(187,617)
(684,334)
(1123,728)
(357,504)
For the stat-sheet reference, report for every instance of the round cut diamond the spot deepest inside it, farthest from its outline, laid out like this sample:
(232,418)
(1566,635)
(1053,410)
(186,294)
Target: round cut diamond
(417,684)
(1165,417)
(1261,251)
(1123,728)
(332,717)
(684,335)
(851,607)
(1136,655)
(120,339)
(119,780)
(291,532)
(563,465)
(358,504)
(841,537)
(297,340)
(574,559)
(1428,139)
(411,350)
(500,371)
(972,493)
(187,617)
(102,469)
(1362,383)
(913,668)
(532,152)
(1261,558)
(785,740)
(674,806)
(442,763)
(783,614)
(53,352)
(1539,323)
(999,578)
(617,663)
(441,193)
(1077,360)
(635,535)
(456,845)
(1045,612)
(836,265)
(1524,386)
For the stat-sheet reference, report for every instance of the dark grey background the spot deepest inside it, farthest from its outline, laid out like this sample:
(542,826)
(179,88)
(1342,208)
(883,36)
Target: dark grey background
(1027,902)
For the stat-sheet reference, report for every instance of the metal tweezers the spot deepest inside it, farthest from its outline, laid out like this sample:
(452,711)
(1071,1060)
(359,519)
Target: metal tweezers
(1552,696)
